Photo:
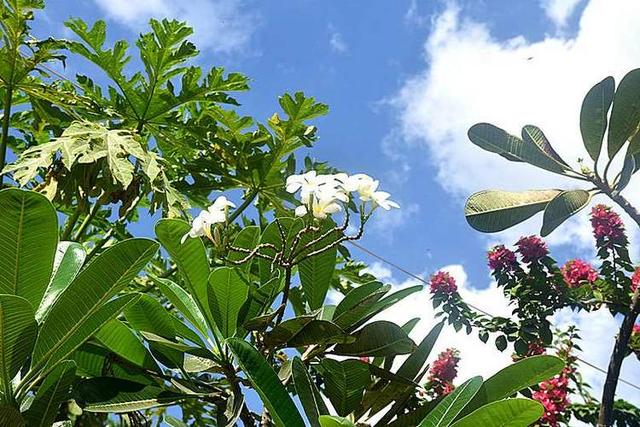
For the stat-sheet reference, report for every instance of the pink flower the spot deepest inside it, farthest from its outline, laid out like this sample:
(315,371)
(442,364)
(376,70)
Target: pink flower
(501,258)
(442,282)
(607,225)
(553,396)
(636,329)
(532,248)
(443,371)
(364,359)
(576,272)
(635,280)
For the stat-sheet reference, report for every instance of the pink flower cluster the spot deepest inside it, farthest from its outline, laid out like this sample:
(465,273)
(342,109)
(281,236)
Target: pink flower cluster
(576,272)
(635,280)
(636,329)
(553,394)
(501,259)
(607,225)
(442,282)
(443,371)
(532,248)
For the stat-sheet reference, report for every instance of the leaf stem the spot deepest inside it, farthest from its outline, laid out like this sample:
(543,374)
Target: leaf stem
(250,196)
(87,220)
(71,222)
(6,120)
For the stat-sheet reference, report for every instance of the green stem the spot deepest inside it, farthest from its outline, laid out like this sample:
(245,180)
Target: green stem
(71,222)
(250,196)
(285,295)
(6,120)
(87,220)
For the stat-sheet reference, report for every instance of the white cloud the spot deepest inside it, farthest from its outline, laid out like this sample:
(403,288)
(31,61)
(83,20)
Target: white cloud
(337,42)
(471,76)
(559,11)
(219,25)
(597,331)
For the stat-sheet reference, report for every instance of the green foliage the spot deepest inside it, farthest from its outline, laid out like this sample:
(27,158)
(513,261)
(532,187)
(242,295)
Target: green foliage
(492,210)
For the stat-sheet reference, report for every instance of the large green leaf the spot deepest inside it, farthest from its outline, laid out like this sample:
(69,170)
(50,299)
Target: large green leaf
(625,113)
(227,294)
(562,207)
(381,338)
(449,407)
(533,135)
(86,305)
(190,257)
(593,116)
(54,390)
(384,303)
(515,377)
(316,272)
(305,330)
(504,413)
(266,383)
(67,263)
(148,315)
(28,240)
(118,338)
(108,394)
(491,211)
(308,393)
(412,366)
(10,417)
(358,303)
(333,421)
(18,330)
(496,140)
(345,382)
(183,302)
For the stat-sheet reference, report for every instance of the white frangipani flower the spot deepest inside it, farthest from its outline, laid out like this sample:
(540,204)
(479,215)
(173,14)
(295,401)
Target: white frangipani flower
(381,198)
(320,194)
(216,213)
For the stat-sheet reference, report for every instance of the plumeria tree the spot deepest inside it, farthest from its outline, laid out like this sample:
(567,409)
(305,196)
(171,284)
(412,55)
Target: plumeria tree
(226,319)
(533,282)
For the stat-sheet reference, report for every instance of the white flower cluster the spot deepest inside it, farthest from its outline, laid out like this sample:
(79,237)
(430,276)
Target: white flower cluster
(216,213)
(320,194)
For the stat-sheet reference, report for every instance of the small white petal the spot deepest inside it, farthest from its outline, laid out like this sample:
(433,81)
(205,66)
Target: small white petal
(301,210)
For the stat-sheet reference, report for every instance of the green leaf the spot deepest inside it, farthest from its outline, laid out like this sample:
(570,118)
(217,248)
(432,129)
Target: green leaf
(190,257)
(87,303)
(28,240)
(148,315)
(227,294)
(266,383)
(533,135)
(333,421)
(504,413)
(412,366)
(625,113)
(183,302)
(381,338)
(67,263)
(357,303)
(316,271)
(491,211)
(308,393)
(515,377)
(10,417)
(305,330)
(562,207)
(345,382)
(108,394)
(387,302)
(54,390)
(118,338)
(449,407)
(18,330)
(532,150)
(593,116)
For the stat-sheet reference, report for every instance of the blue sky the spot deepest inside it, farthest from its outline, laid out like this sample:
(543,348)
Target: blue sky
(404,80)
